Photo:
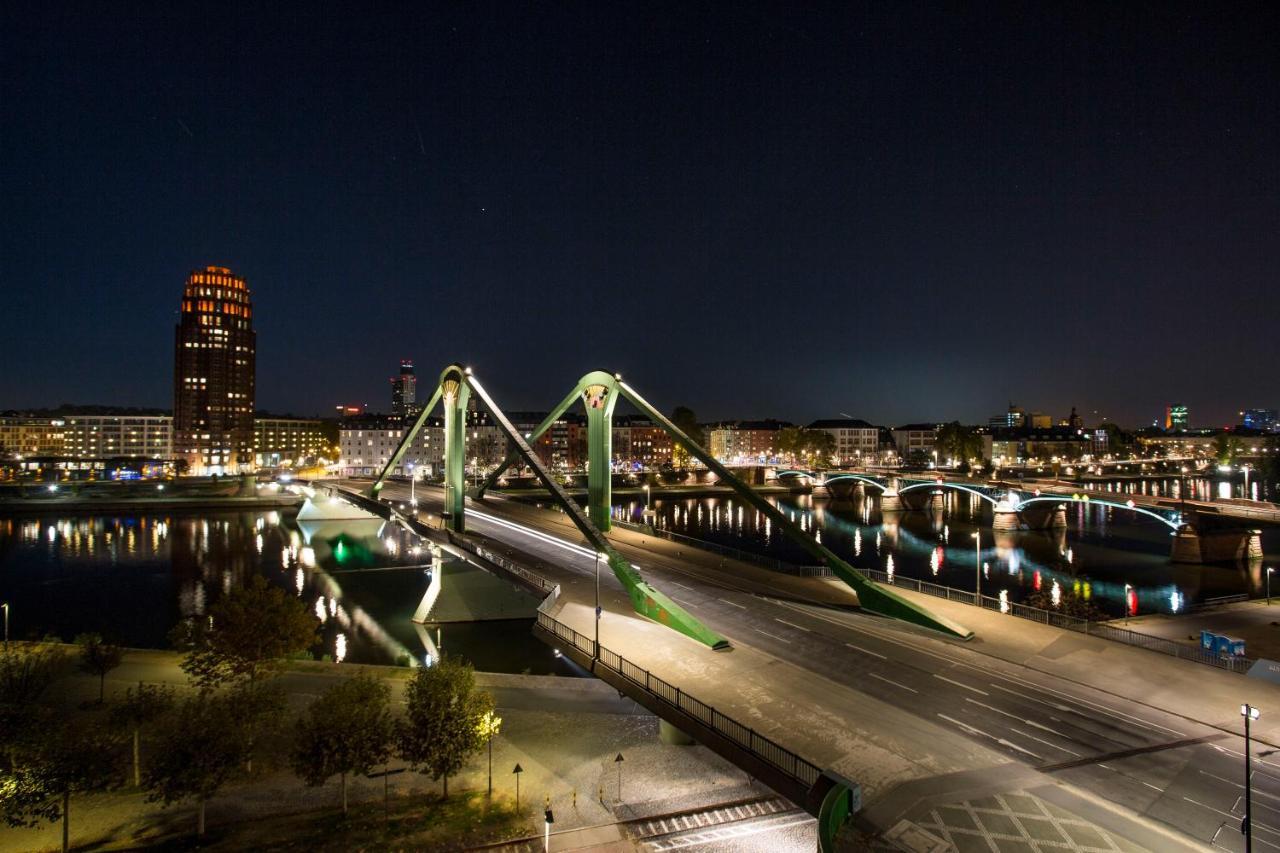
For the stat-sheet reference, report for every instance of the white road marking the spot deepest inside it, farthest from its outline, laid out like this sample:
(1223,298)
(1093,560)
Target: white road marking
(894,683)
(775,636)
(793,625)
(734,604)
(999,740)
(958,684)
(866,651)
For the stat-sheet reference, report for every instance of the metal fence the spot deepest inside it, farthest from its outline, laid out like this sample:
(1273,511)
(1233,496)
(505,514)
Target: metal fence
(499,560)
(1106,630)
(727,551)
(781,758)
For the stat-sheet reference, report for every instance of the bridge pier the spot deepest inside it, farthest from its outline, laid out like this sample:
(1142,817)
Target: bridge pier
(1215,546)
(937,500)
(890,500)
(1005,518)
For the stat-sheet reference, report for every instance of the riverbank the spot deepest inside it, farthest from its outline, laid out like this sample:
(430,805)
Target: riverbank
(74,503)
(638,493)
(563,732)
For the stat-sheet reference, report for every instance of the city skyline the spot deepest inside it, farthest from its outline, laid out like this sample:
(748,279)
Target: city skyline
(839,211)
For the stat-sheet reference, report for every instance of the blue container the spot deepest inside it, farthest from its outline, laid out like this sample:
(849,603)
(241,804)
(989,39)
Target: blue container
(1237,648)
(1206,640)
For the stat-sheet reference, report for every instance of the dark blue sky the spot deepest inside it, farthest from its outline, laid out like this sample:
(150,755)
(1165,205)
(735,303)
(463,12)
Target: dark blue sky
(899,211)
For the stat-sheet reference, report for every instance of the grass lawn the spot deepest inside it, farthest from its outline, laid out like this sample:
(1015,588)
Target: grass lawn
(466,819)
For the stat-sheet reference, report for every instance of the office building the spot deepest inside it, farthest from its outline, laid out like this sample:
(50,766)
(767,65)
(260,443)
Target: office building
(404,391)
(856,440)
(1263,420)
(213,376)
(1176,417)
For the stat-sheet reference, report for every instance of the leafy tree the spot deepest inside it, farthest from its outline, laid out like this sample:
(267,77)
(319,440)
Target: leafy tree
(198,747)
(26,671)
(443,721)
(687,422)
(69,758)
(257,709)
(347,730)
(248,632)
(141,708)
(959,442)
(98,658)
(1226,448)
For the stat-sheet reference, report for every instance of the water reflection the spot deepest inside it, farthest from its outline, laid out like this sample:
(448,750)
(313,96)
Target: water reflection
(1089,563)
(133,577)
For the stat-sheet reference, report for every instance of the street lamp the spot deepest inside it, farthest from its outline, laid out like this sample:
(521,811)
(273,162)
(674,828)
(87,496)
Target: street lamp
(1127,590)
(413,500)
(1245,469)
(646,499)
(597,648)
(977,567)
(1269,571)
(518,771)
(1249,713)
(6,625)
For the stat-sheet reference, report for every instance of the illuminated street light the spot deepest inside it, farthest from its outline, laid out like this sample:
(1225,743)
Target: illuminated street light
(1127,590)
(1269,571)
(597,647)
(1246,828)
(977,566)
(6,625)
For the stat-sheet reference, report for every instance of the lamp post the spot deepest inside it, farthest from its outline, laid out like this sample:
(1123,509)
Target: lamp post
(6,625)
(596,656)
(518,771)
(1127,590)
(1245,469)
(977,567)
(413,500)
(1246,828)
(1269,571)
(490,725)
(618,763)
(646,500)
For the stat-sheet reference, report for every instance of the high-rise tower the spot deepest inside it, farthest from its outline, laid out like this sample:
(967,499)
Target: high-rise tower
(404,391)
(213,374)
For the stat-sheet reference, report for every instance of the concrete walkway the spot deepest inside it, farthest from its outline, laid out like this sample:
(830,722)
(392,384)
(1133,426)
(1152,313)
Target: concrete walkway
(1255,622)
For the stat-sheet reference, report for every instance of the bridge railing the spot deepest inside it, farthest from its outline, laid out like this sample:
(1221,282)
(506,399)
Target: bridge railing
(1106,630)
(803,772)
(728,551)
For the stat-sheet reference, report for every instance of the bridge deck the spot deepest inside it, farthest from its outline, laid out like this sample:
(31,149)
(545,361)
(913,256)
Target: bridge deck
(898,709)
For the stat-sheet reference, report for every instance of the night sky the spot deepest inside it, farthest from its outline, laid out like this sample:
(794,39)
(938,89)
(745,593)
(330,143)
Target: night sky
(896,211)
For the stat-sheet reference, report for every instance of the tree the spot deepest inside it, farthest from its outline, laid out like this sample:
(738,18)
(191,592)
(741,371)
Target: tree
(98,658)
(26,671)
(687,422)
(442,726)
(347,730)
(69,758)
(959,442)
(257,709)
(140,708)
(1226,448)
(248,632)
(197,750)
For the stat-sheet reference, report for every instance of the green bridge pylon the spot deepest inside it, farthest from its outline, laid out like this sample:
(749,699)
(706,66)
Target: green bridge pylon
(603,390)
(456,385)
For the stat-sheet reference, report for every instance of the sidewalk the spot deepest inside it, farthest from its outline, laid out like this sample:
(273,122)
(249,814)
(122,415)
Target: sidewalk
(1252,621)
(563,732)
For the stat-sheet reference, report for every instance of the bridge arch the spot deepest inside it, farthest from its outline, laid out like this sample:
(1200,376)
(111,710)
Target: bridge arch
(956,486)
(867,480)
(1171,524)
